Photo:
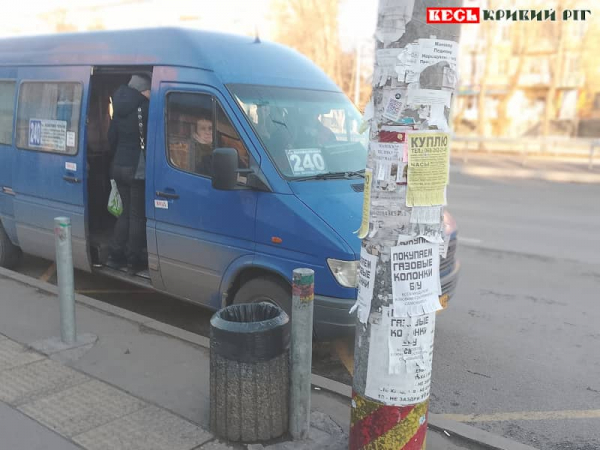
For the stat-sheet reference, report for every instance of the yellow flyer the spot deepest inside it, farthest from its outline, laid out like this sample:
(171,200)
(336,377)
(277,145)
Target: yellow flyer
(428,165)
(364,226)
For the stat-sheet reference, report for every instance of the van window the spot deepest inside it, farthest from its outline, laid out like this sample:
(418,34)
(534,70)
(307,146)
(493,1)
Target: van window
(7,110)
(48,116)
(227,136)
(306,133)
(194,130)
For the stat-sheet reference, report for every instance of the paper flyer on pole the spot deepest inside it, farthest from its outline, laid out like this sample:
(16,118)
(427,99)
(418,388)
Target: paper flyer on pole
(384,348)
(395,15)
(366,280)
(364,226)
(418,56)
(415,267)
(411,345)
(428,168)
(430,215)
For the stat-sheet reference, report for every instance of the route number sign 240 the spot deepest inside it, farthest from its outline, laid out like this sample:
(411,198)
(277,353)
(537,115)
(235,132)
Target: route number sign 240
(306,161)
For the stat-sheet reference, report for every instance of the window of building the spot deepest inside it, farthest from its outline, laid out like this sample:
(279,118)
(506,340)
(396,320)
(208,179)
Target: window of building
(196,125)
(7,110)
(48,116)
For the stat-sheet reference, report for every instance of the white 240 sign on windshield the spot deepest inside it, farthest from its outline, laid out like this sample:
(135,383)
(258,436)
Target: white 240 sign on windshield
(306,161)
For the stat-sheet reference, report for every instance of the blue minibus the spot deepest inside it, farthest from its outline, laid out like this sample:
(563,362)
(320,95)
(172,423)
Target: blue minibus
(290,197)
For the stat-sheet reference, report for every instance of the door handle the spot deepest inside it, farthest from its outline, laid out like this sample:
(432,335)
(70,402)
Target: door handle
(167,195)
(71,179)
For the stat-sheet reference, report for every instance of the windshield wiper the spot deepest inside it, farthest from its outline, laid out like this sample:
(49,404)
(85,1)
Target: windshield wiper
(333,175)
(356,173)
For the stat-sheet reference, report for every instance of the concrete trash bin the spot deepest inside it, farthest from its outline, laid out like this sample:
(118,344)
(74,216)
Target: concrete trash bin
(249,372)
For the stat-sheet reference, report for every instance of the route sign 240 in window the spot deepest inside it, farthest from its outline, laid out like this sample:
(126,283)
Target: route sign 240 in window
(306,161)
(48,135)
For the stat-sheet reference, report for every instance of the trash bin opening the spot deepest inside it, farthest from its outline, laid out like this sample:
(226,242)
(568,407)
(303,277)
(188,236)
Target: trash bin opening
(250,312)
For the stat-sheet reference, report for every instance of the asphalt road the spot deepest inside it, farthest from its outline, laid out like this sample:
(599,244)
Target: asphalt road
(519,344)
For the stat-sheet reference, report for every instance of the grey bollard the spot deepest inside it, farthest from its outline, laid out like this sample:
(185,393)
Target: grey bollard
(64,275)
(303,295)
(249,372)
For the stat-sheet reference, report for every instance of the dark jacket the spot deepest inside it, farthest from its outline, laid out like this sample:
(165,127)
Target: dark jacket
(203,158)
(123,134)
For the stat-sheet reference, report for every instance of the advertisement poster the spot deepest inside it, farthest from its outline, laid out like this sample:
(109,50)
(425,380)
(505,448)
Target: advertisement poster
(428,168)
(366,281)
(364,225)
(415,277)
(393,377)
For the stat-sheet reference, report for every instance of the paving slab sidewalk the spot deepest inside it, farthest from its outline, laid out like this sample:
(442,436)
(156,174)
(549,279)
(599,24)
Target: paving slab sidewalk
(141,384)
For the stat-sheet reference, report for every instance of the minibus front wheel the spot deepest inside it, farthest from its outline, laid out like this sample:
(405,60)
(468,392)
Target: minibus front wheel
(9,252)
(266,289)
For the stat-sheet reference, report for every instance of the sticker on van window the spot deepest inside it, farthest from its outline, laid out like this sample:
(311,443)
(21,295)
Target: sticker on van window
(161,204)
(70,139)
(48,135)
(306,161)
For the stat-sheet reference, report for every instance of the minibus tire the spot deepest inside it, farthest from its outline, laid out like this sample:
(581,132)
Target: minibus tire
(266,289)
(9,252)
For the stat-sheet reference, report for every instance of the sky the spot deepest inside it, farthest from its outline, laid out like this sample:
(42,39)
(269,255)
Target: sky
(357,17)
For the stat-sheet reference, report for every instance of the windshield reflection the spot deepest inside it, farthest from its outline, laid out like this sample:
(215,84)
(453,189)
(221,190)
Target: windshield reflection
(306,133)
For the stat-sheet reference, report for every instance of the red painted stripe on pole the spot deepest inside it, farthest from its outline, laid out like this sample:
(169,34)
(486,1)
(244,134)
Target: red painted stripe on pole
(418,441)
(377,424)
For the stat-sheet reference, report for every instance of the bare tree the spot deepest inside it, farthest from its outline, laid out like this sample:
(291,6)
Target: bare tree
(311,27)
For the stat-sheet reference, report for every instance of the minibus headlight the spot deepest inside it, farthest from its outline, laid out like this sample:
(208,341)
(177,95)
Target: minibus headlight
(345,272)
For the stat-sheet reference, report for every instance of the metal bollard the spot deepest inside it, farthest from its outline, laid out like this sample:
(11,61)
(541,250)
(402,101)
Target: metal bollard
(64,270)
(302,328)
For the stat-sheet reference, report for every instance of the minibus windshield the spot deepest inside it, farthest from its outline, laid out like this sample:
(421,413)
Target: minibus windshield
(308,134)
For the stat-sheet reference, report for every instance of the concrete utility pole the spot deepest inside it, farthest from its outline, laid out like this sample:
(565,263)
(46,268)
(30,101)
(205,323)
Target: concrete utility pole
(402,228)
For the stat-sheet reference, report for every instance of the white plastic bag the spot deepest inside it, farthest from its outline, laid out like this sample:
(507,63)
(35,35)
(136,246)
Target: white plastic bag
(115,205)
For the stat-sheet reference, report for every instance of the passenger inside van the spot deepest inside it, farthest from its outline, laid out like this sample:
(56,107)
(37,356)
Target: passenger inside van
(127,137)
(202,144)
(194,134)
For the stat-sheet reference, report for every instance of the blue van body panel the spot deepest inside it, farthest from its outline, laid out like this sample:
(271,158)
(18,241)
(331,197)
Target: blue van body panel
(237,266)
(202,231)
(41,192)
(236,59)
(341,208)
(307,241)
(7,152)
(7,217)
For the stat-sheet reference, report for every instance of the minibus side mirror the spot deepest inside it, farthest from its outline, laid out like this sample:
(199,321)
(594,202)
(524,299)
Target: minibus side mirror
(224,168)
